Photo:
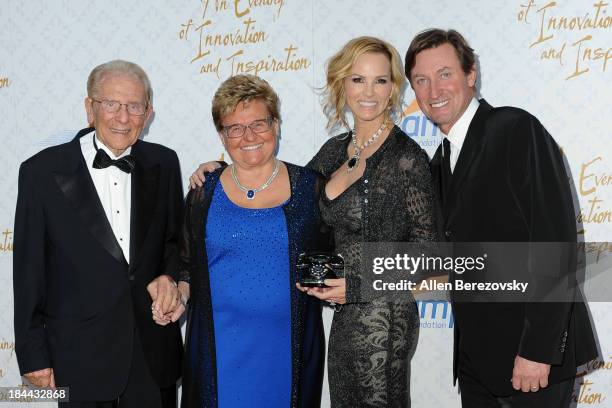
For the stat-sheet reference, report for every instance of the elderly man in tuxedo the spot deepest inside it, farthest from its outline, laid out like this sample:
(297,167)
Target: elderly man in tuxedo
(501,178)
(96,231)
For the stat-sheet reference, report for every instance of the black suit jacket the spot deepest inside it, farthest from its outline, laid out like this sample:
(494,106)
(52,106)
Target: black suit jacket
(77,300)
(510,185)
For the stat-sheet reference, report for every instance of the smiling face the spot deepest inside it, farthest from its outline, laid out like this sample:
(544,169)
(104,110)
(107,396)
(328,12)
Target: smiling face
(443,91)
(252,149)
(118,130)
(368,88)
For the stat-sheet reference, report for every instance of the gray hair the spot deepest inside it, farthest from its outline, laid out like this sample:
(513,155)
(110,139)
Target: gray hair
(98,74)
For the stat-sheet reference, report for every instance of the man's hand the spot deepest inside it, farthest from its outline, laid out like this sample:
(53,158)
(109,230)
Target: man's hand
(165,295)
(529,376)
(197,178)
(41,378)
(171,316)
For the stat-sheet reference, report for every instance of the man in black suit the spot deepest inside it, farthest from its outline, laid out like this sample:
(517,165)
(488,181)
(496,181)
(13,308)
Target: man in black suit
(501,178)
(96,233)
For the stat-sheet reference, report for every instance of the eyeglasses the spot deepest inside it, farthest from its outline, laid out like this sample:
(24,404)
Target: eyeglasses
(257,126)
(133,108)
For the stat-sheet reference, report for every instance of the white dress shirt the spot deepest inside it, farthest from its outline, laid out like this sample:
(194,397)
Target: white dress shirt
(114,189)
(456,135)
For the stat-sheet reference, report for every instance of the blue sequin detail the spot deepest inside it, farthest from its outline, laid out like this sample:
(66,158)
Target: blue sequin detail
(249,279)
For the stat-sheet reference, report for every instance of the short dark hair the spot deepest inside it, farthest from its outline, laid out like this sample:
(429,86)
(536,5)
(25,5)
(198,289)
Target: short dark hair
(435,37)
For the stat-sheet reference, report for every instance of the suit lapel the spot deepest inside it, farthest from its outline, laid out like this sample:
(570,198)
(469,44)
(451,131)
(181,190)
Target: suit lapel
(78,188)
(472,146)
(145,182)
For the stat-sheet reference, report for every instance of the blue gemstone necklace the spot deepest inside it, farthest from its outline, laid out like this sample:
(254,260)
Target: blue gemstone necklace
(250,192)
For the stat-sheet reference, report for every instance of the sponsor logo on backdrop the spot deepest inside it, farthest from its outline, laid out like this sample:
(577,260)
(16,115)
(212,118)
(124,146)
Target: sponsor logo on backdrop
(4,82)
(593,179)
(6,245)
(586,391)
(435,314)
(416,125)
(227,39)
(576,40)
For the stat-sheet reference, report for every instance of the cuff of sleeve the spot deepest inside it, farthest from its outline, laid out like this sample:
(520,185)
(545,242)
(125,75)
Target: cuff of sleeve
(29,362)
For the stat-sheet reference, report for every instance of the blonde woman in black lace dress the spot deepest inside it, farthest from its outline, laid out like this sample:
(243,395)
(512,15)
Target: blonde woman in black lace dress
(378,189)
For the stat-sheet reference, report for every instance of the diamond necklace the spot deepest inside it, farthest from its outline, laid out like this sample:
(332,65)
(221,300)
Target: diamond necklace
(354,160)
(250,192)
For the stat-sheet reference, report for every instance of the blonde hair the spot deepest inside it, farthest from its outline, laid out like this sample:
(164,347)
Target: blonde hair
(243,88)
(339,67)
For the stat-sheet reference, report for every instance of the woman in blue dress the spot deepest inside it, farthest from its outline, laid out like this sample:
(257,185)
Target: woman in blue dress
(252,338)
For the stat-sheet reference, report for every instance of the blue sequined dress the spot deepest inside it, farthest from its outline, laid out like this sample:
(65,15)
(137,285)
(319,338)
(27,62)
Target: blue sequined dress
(249,276)
(251,344)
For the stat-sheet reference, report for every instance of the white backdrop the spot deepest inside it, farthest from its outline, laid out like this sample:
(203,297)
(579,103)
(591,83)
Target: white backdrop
(551,58)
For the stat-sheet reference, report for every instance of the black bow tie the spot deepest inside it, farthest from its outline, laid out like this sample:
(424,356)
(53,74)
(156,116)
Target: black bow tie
(103,160)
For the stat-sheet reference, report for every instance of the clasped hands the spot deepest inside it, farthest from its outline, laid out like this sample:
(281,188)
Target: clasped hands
(168,299)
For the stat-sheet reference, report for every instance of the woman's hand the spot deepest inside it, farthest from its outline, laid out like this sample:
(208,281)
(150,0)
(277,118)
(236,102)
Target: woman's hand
(197,179)
(173,315)
(335,293)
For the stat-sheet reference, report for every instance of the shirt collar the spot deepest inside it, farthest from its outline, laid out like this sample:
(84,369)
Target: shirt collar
(456,136)
(107,150)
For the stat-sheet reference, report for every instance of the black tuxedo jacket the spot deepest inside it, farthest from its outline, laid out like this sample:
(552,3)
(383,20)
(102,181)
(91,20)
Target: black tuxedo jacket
(78,302)
(510,185)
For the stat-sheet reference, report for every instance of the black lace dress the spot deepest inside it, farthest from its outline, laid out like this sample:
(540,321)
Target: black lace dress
(372,340)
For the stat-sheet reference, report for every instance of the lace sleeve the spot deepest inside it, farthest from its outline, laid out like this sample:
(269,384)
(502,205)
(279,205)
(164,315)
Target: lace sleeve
(422,212)
(420,198)
(317,162)
(330,156)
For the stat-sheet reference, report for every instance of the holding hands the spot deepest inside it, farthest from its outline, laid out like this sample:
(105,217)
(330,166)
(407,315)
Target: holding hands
(169,300)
